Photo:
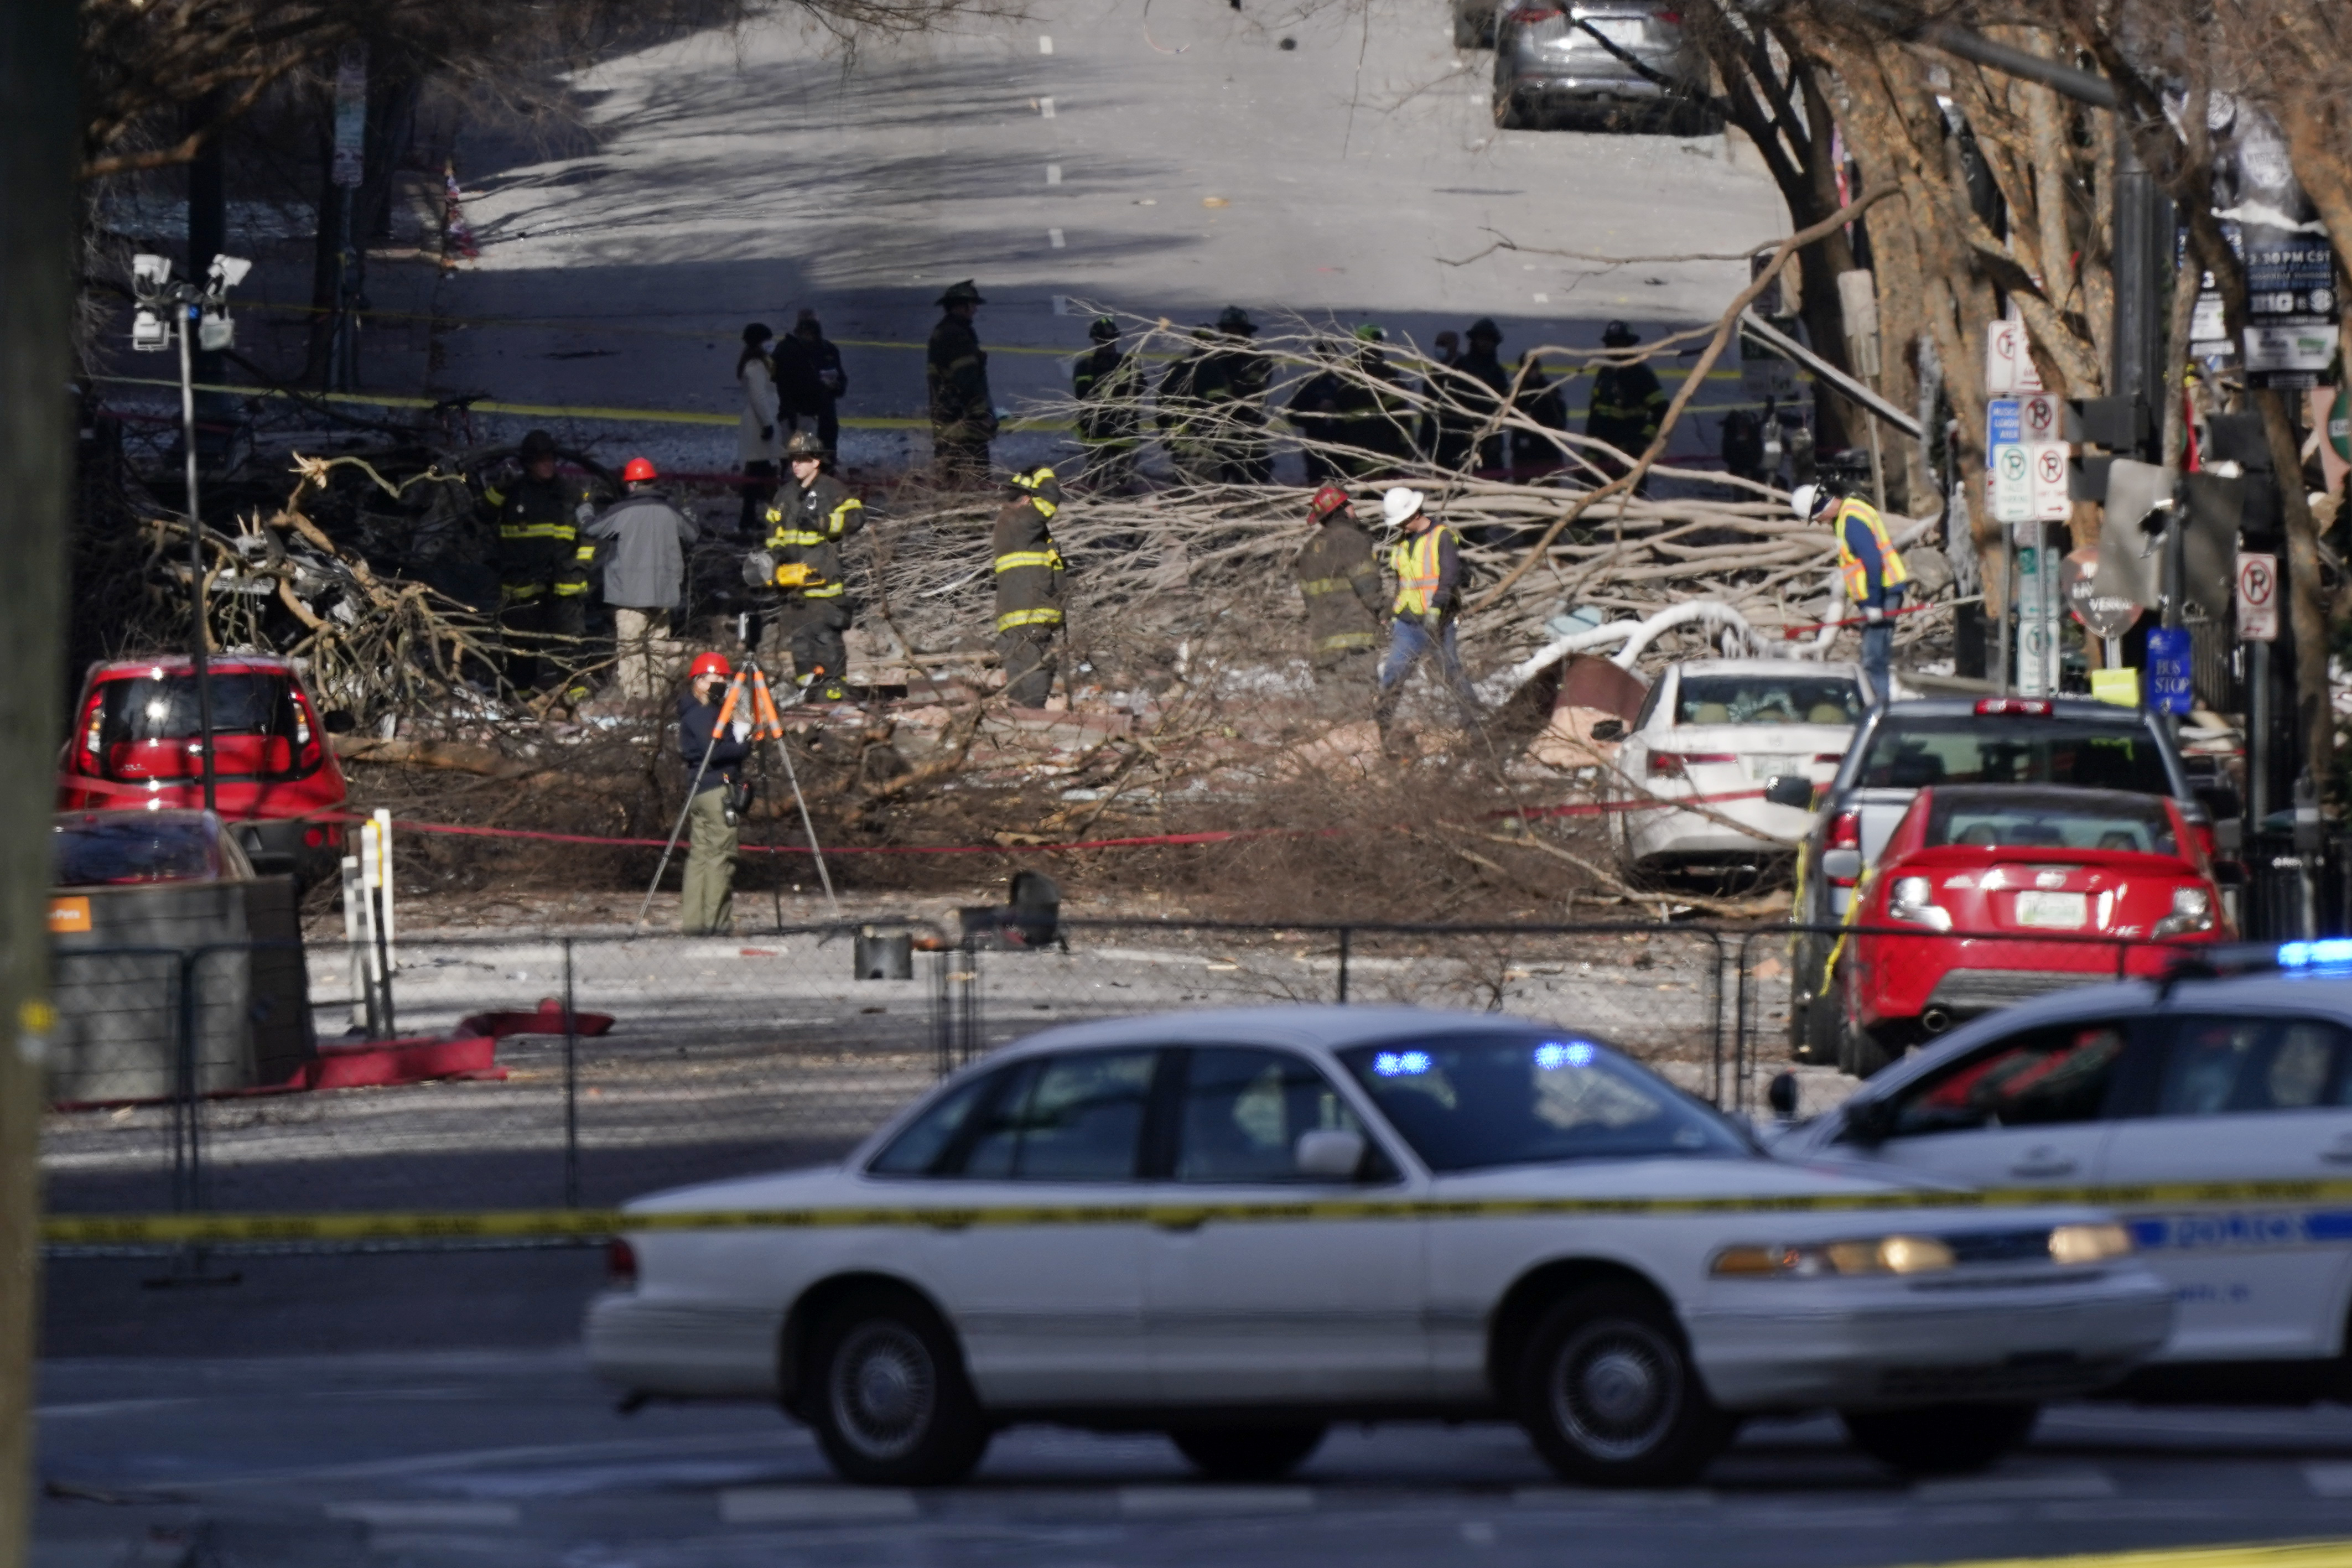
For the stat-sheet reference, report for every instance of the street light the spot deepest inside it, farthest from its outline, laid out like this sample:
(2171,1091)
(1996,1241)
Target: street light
(163,306)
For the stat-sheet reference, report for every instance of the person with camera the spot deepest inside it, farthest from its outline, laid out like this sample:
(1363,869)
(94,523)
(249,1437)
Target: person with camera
(714,756)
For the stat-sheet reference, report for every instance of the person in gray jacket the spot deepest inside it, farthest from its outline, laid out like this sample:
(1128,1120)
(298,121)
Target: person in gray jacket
(645,573)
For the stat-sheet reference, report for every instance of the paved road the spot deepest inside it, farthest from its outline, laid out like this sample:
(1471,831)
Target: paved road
(517,1457)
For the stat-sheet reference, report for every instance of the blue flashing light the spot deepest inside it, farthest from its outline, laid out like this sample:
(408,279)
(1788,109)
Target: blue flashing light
(2334,953)
(1400,1064)
(1551,1056)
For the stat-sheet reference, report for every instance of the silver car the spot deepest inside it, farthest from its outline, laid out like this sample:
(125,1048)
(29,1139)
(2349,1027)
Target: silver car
(1613,64)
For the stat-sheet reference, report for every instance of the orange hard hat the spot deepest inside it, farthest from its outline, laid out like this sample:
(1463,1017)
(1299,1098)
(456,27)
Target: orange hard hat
(1327,499)
(704,663)
(637,471)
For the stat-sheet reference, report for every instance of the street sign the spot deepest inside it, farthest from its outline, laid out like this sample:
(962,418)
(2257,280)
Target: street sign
(2046,473)
(2038,418)
(2258,598)
(2169,680)
(2004,426)
(2102,615)
(2037,616)
(2291,307)
(351,116)
(2009,368)
(2012,486)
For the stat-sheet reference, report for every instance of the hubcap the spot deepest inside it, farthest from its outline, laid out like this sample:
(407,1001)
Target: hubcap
(884,1389)
(1616,1387)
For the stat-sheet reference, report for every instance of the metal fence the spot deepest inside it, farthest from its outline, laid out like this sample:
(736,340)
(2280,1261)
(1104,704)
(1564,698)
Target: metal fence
(626,1063)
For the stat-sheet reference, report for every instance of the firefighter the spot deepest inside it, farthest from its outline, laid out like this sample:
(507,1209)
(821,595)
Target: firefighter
(1374,419)
(1475,386)
(1872,572)
(1028,587)
(1231,385)
(1340,582)
(1109,386)
(1627,408)
(1182,413)
(542,566)
(1427,561)
(963,413)
(812,514)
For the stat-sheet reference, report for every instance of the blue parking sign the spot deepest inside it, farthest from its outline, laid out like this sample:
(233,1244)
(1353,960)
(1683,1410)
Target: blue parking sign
(2168,670)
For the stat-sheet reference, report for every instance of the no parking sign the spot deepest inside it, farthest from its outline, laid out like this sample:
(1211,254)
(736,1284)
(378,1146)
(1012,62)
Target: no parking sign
(2258,598)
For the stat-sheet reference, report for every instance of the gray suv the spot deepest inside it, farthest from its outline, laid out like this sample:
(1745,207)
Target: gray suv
(1616,63)
(1905,747)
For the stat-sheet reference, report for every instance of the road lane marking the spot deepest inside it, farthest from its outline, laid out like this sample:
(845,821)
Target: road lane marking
(1054,177)
(1053,237)
(1178,1501)
(1045,107)
(1045,43)
(798,1505)
(2254,1554)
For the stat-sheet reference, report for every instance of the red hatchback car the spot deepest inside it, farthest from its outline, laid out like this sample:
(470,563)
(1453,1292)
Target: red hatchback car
(137,744)
(1981,872)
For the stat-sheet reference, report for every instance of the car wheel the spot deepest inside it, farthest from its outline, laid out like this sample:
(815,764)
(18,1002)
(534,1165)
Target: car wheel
(1607,1393)
(1940,1439)
(1247,1453)
(891,1407)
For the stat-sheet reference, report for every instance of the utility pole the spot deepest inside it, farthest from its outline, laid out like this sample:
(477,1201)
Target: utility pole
(39,146)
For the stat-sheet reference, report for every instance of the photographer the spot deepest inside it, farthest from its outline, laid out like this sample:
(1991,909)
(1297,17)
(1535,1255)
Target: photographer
(707,906)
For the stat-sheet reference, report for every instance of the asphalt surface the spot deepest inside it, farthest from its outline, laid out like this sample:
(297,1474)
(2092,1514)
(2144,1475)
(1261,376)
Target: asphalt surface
(516,1456)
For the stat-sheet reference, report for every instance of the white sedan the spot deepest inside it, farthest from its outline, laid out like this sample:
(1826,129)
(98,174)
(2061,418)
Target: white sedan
(1720,730)
(1240,1227)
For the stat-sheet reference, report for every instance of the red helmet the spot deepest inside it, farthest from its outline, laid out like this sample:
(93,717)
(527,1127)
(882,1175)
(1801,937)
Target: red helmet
(637,471)
(1327,499)
(704,663)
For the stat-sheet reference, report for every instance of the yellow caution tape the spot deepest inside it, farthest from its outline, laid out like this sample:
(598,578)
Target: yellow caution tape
(187,1229)
(2253,1554)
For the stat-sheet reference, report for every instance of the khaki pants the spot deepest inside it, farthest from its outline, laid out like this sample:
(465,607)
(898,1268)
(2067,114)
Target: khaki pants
(634,634)
(709,904)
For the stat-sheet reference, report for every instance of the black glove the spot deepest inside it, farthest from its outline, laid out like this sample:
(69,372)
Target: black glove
(767,432)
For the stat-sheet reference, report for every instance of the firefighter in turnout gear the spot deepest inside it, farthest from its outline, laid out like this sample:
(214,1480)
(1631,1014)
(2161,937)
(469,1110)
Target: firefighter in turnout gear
(1028,587)
(1109,386)
(1427,561)
(955,370)
(1231,385)
(1627,408)
(812,515)
(543,565)
(1341,581)
(1871,568)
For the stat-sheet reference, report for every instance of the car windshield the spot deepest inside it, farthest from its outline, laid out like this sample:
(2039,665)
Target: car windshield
(1767,699)
(145,725)
(133,846)
(2013,749)
(1468,1102)
(2055,820)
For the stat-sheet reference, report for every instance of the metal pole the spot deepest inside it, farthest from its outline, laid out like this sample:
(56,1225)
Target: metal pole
(1344,932)
(2007,602)
(201,637)
(571,1088)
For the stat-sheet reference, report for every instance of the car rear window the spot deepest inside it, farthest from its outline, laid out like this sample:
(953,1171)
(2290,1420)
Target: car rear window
(1767,699)
(1466,1102)
(2013,749)
(2056,819)
(133,846)
(145,726)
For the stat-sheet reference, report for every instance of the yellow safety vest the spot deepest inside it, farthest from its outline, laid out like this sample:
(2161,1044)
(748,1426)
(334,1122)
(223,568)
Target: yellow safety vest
(1892,571)
(1413,559)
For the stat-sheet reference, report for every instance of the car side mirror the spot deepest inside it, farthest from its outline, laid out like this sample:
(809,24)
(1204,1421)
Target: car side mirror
(1780,1094)
(1330,1154)
(1842,865)
(1790,789)
(1609,730)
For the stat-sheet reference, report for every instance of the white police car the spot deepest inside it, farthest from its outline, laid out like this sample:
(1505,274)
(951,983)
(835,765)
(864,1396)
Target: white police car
(1239,1226)
(2214,1115)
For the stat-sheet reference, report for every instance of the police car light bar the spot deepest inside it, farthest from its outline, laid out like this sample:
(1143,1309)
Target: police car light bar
(2333,953)
(2332,956)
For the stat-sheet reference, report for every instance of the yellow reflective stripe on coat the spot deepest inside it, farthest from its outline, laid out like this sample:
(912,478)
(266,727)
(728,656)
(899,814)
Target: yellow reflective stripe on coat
(567,590)
(167,1229)
(1857,576)
(538,530)
(824,591)
(1014,560)
(1315,585)
(784,536)
(1013,620)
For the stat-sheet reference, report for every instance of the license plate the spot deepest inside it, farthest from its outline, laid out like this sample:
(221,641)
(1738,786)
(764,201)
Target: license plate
(1771,767)
(2054,911)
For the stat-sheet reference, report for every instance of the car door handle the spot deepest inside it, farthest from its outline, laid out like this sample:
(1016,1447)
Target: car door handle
(2045,1167)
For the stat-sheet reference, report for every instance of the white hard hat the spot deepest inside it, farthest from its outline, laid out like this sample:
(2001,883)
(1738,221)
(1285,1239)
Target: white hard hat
(1803,500)
(1399,504)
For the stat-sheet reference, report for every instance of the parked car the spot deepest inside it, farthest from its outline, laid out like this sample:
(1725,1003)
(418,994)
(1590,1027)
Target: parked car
(136,742)
(1989,875)
(2204,1113)
(1240,1227)
(1713,728)
(123,848)
(1616,63)
(1906,746)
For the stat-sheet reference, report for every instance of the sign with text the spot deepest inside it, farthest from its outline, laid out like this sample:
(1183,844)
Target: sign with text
(2168,680)
(2102,615)
(2008,366)
(2291,306)
(2258,598)
(2037,616)
(2037,417)
(2013,484)
(2004,423)
(2046,474)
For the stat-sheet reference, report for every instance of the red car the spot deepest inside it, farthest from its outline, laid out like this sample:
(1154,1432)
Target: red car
(137,744)
(1982,870)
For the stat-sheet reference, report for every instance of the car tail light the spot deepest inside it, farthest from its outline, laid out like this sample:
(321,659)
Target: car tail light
(1677,764)
(1913,900)
(1534,13)
(306,746)
(314,837)
(1671,19)
(1846,833)
(2032,707)
(620,1263)
(92,729)
(2193,911)
(1831,757)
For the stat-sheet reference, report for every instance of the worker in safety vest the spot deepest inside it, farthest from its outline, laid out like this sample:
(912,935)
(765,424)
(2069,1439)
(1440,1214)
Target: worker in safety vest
(1028,587)
(1871,571)
(1341,581)
(1427,562)
(812,515)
